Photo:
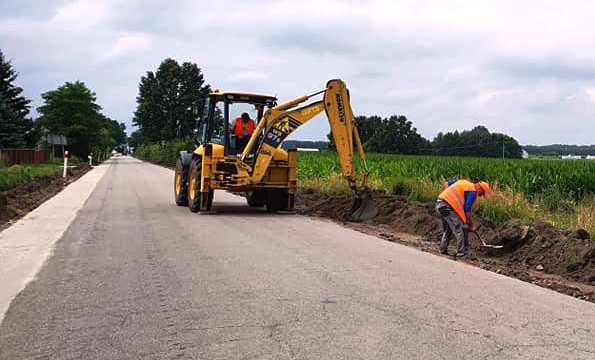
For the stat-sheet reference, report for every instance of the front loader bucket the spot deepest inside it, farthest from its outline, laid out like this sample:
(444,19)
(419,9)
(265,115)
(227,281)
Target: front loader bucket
(363,207)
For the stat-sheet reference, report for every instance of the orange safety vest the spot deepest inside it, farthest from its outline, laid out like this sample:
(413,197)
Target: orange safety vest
(238,127)
(454,195)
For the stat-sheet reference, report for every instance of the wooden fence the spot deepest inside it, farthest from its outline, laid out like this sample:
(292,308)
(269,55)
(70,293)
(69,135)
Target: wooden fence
(24,156)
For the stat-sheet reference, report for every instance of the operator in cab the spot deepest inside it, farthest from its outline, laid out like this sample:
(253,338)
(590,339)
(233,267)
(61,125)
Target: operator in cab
(243,129)
(454,206)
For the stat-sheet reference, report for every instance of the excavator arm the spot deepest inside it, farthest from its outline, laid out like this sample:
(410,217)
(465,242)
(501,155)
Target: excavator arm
(282,120)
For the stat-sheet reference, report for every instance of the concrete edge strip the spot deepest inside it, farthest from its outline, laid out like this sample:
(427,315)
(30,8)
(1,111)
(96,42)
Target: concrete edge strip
(29,242)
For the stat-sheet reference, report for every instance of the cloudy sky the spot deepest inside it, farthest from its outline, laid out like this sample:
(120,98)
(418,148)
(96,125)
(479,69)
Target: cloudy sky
(526,68)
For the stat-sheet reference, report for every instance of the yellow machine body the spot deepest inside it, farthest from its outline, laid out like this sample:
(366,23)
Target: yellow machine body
(280,174)
(264,172)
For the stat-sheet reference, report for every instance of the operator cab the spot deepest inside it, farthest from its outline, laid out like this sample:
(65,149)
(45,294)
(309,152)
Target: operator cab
(222,109)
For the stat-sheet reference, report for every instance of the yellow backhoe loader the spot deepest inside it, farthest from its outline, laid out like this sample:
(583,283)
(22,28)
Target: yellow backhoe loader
(262,171)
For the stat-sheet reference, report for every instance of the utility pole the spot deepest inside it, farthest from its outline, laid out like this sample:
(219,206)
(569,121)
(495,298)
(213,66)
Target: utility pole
(502,149)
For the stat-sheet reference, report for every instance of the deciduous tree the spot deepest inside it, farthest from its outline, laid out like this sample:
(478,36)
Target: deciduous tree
(71,110)
(166,100)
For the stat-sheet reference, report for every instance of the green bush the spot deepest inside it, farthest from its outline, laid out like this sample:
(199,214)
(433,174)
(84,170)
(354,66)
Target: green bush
(165,153)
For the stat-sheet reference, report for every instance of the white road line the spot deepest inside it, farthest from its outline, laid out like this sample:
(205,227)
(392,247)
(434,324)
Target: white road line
(28,243)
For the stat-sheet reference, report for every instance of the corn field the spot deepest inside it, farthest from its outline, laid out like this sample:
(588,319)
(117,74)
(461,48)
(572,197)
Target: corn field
(572,180)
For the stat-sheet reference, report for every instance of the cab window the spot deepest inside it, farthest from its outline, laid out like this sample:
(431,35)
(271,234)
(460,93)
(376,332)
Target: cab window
(218,133)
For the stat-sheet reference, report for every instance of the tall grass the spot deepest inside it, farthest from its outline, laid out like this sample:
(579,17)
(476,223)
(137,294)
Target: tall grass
(15,175)
(559,192)
(586,216)
(566,179)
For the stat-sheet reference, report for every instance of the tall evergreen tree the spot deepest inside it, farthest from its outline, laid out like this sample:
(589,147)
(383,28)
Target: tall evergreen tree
(166,100)
(15,125)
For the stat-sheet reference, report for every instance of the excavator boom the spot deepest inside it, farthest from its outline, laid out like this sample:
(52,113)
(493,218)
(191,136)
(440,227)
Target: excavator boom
(282,120)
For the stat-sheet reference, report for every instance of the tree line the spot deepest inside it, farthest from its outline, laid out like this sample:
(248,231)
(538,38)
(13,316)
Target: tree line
(71,110)
(171,98)
(559,149)
(397,135)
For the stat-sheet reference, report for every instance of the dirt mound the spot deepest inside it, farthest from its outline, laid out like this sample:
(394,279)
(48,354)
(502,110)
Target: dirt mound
(17,202)
(544,248)
(539,253)
(414,218)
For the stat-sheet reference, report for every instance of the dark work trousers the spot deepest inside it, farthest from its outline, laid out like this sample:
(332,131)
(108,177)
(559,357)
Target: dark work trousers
(241,143)
(452,225)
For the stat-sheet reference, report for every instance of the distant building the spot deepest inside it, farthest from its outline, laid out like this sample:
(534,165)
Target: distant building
(525,154)
(590,157)
(571,157)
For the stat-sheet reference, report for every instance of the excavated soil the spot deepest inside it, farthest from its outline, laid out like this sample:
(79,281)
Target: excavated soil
(16,203)
(541,254)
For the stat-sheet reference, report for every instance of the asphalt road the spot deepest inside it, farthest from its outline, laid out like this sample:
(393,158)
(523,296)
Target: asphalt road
(135,277)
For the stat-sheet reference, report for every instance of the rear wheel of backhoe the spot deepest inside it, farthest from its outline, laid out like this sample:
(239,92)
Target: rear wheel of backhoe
(277,200)
(181,184)
(194,194)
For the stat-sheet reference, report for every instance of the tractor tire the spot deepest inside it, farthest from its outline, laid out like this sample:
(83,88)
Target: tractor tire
(276,200)
(210,201)
(194,194)
(256,198)
(181,184)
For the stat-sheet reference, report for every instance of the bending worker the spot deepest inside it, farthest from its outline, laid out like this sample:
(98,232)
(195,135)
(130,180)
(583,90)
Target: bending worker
(454,206)
(243,129)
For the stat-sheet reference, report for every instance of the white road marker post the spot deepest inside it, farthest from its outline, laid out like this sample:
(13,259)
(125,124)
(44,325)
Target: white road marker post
(65,163)
(90,159)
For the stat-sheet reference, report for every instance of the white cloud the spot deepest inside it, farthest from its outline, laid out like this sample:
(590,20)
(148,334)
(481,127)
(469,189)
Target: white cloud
(128,45)
(512,66)
(590,91)
(81,15)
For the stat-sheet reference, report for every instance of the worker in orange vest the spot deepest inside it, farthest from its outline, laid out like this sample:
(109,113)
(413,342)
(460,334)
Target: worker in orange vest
(243,129)
(454,206)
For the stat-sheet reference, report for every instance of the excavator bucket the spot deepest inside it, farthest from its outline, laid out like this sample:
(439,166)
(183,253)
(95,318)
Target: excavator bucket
(363,207)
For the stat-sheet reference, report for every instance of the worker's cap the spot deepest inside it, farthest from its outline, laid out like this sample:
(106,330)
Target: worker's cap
(484,186)
(245,116)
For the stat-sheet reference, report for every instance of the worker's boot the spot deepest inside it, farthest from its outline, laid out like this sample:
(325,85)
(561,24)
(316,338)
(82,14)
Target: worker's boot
(463,256)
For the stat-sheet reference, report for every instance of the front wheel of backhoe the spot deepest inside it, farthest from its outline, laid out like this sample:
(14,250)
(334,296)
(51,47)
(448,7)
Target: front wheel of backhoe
(181,184)
(256,198)
(195,197)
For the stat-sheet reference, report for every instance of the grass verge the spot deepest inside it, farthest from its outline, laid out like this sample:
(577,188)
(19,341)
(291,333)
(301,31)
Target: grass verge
(16,175)
(502,205)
